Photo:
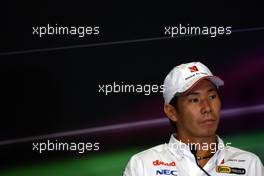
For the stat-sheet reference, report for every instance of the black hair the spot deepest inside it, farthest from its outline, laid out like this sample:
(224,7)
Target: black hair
(174,103)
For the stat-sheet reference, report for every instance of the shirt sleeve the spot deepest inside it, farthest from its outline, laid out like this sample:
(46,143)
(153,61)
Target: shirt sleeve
(134,167)
(256,167)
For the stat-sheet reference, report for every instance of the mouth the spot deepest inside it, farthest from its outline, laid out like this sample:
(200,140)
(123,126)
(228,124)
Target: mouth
(209,122)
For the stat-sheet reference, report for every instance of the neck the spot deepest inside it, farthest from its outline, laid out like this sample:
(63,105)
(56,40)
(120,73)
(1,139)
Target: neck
(202,144)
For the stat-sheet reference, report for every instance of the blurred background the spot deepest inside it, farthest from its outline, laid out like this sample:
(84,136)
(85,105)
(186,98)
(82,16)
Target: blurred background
(50,90)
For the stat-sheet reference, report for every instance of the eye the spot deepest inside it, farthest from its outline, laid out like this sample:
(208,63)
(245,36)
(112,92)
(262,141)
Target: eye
(194,100)
(212,96)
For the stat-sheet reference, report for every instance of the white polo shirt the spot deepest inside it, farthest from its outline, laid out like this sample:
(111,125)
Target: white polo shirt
(176,159)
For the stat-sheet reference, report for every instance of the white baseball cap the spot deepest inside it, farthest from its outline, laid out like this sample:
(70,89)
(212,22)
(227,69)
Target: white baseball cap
(183,77)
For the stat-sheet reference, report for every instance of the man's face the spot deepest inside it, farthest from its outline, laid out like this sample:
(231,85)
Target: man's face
(199,111)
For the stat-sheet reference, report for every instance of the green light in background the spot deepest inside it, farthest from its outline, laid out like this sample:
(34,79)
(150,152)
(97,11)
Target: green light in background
(113,163)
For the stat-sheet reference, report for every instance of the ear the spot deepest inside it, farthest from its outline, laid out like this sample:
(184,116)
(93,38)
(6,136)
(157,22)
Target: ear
(170,112)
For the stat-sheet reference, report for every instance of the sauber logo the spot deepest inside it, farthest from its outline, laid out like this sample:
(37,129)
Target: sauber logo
(193,69)
(158,163)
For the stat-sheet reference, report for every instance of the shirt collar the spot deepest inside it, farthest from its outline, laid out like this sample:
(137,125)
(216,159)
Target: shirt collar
(178,148)
(181,150)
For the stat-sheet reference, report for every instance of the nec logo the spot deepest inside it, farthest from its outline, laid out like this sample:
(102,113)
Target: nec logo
(166,172)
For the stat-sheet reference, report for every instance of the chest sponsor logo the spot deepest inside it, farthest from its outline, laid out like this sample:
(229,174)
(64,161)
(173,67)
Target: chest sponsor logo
(161,163)
(166,172)
(232,160)
(223,169)
(236,160)
(230,170)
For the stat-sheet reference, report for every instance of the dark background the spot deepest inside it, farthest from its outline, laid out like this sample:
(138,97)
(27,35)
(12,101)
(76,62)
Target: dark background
(56,90)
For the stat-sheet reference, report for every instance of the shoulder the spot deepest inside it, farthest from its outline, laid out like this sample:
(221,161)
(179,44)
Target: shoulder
(138,161)
(233,151)
(251,161)
(149,153)
(234,154)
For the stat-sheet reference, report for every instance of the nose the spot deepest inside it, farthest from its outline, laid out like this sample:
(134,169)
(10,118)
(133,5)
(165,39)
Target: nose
(206,107)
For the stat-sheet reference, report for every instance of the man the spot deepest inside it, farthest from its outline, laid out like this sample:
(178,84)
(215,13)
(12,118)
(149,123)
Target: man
(193,105)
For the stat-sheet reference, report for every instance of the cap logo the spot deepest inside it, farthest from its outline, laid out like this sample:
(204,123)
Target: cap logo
(193,69)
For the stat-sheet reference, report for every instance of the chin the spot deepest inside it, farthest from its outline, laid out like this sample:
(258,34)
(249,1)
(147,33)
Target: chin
(208,133)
